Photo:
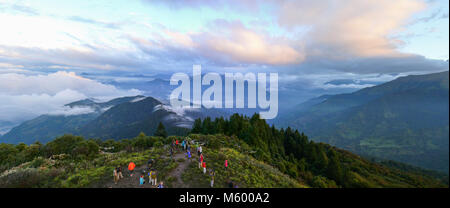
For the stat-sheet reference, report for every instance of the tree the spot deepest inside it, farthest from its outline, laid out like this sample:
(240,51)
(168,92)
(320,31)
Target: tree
(334,170)
(161,131)
(197,128)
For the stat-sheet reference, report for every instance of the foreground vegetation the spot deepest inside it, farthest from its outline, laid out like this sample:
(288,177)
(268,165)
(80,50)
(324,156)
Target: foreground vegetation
(259,155)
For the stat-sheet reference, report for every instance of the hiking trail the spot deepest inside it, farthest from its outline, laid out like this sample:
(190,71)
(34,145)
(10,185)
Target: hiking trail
(132,181)
(179,170)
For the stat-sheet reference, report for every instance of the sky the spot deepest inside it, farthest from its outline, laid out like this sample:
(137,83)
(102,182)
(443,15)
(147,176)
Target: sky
(309,43)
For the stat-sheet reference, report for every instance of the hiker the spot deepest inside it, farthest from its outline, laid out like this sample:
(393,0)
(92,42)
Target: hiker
(116,176)
(183,144)
(212,173)
(200,160)
(141,180)
(171,153)
(119,172)
(150,163)
(131,167)
(188,147)
(188,153)
(204,167)
(200,149)
(150,177)
(226,164)
(176,143)
(161,185)
(154,180)
(230,184)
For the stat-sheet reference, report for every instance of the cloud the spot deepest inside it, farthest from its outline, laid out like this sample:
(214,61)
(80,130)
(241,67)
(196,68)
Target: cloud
(344,29)
(232,41)
(23,97)
(111,25)
(223,42)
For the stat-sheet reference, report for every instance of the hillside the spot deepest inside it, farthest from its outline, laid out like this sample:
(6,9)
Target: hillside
(71,161)
(404,120)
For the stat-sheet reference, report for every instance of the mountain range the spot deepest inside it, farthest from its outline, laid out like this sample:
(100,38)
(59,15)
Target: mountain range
(119,118)
(406,120)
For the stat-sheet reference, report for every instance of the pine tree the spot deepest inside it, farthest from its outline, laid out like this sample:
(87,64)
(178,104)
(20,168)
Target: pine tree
(334,169)
(161,131)
(197,128)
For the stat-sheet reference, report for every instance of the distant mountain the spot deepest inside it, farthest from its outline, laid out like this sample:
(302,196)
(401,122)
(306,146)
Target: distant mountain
(129,119)
(119,118)
(46,127)
(405,120)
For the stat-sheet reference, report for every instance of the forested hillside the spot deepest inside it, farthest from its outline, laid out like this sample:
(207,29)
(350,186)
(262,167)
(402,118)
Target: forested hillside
(258,155)
(404,120)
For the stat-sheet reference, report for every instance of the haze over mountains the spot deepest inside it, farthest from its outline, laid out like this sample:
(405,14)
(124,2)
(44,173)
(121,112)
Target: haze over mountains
(404,120)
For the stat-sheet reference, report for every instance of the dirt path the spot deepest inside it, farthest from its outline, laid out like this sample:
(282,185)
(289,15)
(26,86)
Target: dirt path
(132,181)
(179,170)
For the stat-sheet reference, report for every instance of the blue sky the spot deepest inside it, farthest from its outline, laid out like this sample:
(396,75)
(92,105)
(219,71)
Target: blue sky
(309,43)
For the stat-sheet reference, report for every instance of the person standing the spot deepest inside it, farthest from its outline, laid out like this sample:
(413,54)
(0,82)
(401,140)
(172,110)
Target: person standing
(212,173)
(116,176)
(154,178)
(131,167)
(200,160)
(188,153)
(119,173)
(150,177)
(141,180)
(204,167)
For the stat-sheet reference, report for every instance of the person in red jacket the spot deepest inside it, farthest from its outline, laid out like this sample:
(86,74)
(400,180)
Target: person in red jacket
(200,160)
(204,167)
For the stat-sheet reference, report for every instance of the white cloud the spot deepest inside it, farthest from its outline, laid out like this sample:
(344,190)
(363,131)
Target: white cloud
(23,97)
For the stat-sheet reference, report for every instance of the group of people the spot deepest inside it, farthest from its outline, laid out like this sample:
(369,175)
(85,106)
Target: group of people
(201,159)
(152,177)
(152,174)
(117,174)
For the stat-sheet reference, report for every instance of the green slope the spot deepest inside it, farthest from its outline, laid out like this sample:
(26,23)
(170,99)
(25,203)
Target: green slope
(404,120)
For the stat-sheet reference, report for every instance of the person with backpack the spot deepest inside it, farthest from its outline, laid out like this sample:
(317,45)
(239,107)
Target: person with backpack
(150,177)
(154,179)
